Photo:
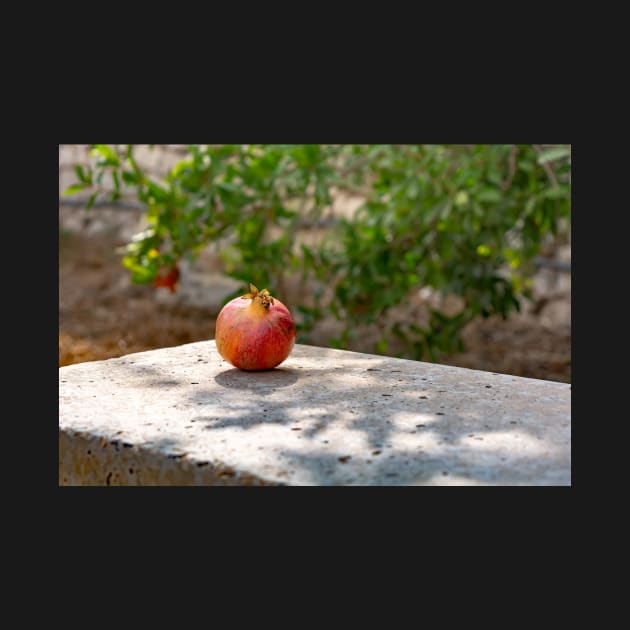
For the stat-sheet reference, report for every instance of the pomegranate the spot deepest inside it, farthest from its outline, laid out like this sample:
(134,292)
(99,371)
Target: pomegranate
(168,279)
(255,331)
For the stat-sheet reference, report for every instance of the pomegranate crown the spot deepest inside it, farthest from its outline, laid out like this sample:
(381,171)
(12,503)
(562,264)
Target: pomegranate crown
(262,297)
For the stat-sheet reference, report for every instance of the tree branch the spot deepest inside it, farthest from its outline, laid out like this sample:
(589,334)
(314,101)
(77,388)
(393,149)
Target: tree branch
(511,168)
(547,166)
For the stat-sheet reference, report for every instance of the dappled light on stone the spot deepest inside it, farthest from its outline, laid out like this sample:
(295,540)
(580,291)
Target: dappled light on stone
(325,417)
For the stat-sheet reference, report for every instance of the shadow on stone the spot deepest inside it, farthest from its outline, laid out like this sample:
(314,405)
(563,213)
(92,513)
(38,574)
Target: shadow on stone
(257,381)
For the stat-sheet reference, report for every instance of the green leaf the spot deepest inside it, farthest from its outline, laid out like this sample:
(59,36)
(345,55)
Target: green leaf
(490,195)
(525,165)
(180,167)
(75,188)
(110,157)
(228,186)
(90,202)
(284,213)
(561,192)
(84,176)
(157,191)
(130,178)
(530,205)
(321,193)
(139,274)
(553,154)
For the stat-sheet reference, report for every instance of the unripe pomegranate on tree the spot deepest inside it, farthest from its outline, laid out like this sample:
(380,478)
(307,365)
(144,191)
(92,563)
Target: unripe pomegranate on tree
(255,331)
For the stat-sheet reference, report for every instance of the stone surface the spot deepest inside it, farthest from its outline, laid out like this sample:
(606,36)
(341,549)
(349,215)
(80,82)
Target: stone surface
(183,416)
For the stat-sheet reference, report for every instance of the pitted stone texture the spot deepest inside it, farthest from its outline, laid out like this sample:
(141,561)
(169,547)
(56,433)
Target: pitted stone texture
(184,416)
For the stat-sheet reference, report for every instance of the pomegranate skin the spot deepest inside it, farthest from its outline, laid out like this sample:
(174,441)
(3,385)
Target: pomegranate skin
(253,337)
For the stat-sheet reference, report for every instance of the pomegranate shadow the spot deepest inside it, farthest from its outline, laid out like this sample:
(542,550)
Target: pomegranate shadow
(257,381)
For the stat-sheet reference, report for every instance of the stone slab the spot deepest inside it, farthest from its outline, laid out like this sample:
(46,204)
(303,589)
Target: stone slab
(184,416)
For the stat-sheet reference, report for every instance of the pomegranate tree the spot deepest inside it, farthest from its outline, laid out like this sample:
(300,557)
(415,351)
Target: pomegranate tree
(255,331)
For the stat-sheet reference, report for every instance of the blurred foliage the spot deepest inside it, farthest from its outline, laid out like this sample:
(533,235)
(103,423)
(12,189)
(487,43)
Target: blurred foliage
(461,219)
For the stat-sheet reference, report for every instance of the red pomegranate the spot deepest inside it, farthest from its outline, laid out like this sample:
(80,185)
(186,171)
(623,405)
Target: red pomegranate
(255,331)
(168,279)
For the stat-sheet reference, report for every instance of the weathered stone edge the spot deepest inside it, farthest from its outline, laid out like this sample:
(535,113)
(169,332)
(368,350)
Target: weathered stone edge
(86,460)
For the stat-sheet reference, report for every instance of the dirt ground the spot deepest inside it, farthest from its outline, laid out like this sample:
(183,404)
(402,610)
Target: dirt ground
(103,315)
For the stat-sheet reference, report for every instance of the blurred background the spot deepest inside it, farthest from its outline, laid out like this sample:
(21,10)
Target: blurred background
(459,254)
